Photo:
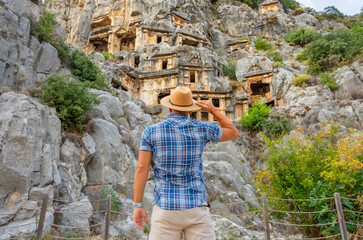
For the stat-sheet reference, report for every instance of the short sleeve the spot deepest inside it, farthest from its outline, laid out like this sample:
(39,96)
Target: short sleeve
(145,144)
(214,133)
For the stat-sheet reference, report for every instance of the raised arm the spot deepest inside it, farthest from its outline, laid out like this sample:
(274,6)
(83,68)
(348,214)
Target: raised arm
(230,132)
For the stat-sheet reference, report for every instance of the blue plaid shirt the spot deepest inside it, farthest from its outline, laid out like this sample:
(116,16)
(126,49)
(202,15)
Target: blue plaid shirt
(177,145)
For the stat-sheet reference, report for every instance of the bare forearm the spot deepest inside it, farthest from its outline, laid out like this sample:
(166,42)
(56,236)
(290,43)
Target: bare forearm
(139,184)
(141,174)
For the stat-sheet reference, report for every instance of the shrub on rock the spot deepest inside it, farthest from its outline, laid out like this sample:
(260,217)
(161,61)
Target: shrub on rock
(260,44)
(43,30)
(87,71)
(301,36)
(256,116)
(230,70)
(70,98)
(301,80)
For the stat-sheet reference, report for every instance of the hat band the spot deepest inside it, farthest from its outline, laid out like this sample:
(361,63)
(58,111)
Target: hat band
(180,105)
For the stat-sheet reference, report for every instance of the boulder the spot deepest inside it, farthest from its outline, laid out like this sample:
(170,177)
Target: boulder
(47,60)
(98,57)
(281,83)
(30,136)
(348,80)
(112,162)
(64,217)
(25,227)
(306,20)
(237,20)
(313,95)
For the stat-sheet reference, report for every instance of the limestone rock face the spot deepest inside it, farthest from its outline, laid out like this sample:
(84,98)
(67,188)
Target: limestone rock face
(27,150)
(350,80)
(281,83)
(71,167)
(48,59)
(308,96)
(306,20)
(24,62)
(30,136)
(226,171)
(237,19)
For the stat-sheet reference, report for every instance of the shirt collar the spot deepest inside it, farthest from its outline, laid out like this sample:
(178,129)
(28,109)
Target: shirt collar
(177,115)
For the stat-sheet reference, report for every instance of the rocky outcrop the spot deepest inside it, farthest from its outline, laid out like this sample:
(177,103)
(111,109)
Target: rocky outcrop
(350,79)
(30,137)
(24,61)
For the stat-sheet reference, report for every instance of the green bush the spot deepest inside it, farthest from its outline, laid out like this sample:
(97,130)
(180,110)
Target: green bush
(260,44)
(301,80)
(273,20)
(219,51)
(301,36)
(275,56)
(329,81)
(213,9)
(87,71)
(62,49)
(314,166)
(276,125)
(70,98)
(360,15)
(334,49)
(251,3)
(43,30)
(107,55)
(298,11)
(289,4)
(301,57)
(115,197)
(230,71)
(256,116)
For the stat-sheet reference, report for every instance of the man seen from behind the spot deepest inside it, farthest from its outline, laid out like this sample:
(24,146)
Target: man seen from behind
(176,146)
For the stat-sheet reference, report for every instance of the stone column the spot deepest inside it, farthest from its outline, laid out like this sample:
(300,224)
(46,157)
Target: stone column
(199,113)
(114,43)
(245,107)
(179,41)
(238,112)
(139,38)
(222,104)
(210,116)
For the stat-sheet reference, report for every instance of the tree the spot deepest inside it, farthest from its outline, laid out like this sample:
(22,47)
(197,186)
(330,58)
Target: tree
(252,3)
(289,4)
(360,15)
(333,13)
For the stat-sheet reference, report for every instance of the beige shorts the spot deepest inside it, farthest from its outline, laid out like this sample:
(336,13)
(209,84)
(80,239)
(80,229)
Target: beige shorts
(196,223)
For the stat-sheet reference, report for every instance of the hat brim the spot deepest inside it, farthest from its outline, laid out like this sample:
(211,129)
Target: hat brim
(166,103)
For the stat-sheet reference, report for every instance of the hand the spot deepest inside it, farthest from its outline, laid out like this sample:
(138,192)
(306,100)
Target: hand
(139,214)
(207,106)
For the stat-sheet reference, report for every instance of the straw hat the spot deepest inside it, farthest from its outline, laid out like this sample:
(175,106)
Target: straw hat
(181,100)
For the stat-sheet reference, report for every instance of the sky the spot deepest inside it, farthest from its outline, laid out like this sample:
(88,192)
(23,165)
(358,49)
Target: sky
(348,7)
